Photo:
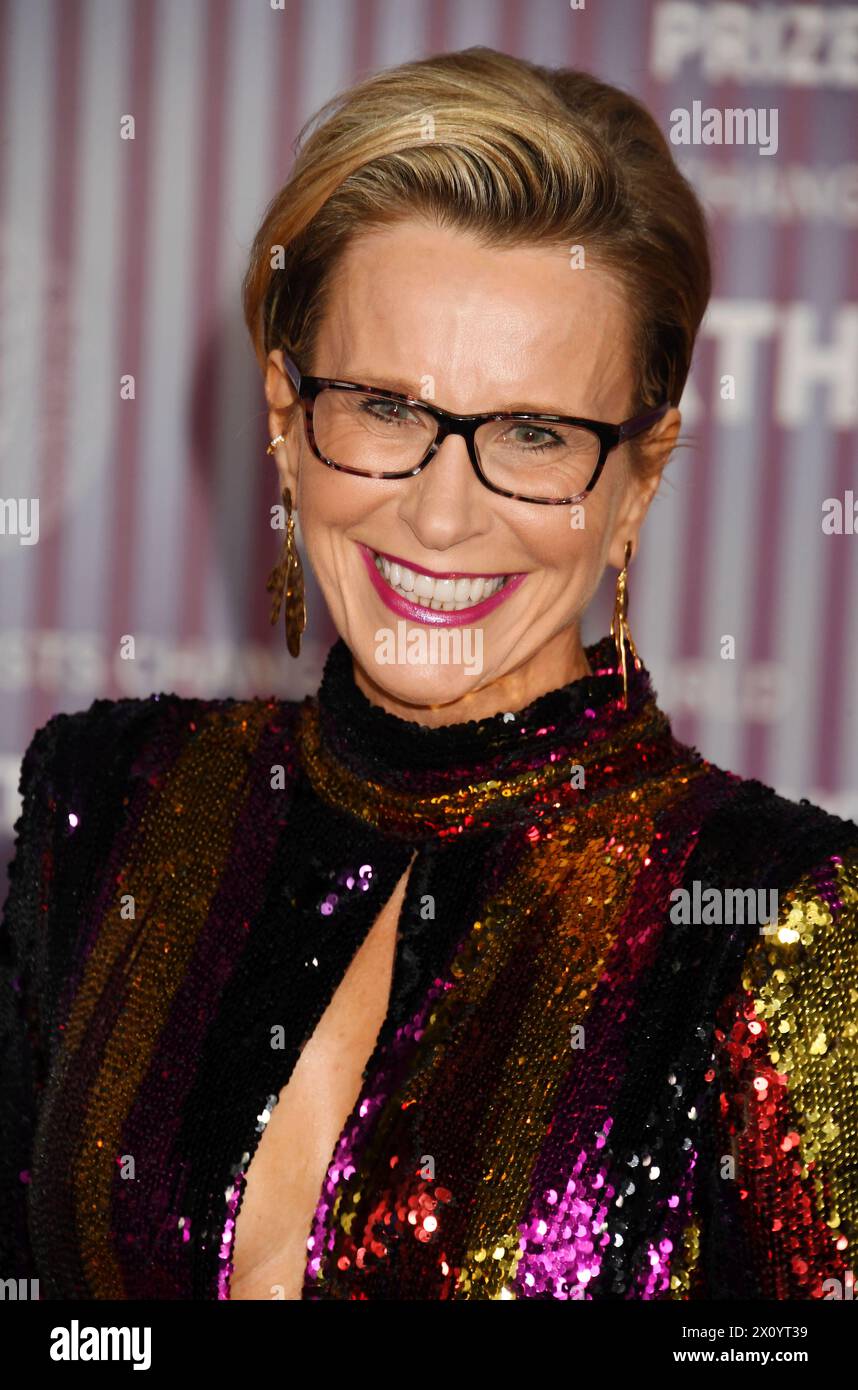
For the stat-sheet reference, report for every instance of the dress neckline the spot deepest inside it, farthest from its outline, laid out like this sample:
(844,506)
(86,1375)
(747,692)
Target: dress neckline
(417,782)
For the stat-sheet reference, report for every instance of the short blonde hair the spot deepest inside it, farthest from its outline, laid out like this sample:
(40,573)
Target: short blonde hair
(517,155)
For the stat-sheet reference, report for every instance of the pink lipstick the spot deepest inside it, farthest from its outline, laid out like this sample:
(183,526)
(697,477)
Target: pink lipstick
(436,617)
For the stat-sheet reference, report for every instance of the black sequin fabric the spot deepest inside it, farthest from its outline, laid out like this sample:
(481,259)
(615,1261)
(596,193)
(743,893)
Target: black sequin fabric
(619,1054)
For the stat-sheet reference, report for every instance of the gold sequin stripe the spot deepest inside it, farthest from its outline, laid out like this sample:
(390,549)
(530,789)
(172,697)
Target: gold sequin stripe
(685,1263)
(805,986)
(380,805)
(183,843)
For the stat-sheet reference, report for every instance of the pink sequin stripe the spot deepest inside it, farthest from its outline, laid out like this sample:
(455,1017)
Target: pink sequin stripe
(227,1239)
(373,1099)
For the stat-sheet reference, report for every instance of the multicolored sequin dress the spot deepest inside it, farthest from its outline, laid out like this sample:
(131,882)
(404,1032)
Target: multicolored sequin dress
(619,1056)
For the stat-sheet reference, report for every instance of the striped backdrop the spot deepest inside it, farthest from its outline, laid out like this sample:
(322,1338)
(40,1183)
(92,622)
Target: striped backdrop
(123,258)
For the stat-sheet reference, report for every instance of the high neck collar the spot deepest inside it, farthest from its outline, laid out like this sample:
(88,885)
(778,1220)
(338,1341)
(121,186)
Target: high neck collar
(418,783)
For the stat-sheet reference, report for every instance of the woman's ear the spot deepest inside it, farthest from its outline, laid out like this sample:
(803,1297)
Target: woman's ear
(283,420)
(644,476)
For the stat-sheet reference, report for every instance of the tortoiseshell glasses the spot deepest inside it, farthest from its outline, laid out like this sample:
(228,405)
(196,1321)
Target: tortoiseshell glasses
(548,459)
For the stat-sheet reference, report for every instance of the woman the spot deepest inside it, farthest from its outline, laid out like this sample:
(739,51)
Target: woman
(463,979)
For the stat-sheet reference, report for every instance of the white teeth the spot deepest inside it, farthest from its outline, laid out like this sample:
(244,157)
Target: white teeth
(446,595)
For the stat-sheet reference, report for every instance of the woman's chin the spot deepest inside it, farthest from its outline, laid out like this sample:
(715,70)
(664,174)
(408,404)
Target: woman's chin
(405,674)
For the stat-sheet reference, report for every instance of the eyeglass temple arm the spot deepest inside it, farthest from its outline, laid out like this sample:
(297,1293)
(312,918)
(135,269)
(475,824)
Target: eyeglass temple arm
(642,422)
(294,374)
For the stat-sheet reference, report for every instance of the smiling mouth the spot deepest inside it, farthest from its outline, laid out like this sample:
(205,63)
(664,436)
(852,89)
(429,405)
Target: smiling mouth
(443,595)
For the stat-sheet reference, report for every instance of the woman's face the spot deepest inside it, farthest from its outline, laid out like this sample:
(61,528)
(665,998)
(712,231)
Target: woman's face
(429,312)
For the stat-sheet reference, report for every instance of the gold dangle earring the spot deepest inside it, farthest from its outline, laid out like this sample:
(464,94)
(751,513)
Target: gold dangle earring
(620,627)
(286,580)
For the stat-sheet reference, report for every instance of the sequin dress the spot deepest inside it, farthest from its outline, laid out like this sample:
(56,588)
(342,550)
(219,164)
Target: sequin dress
(620,1050)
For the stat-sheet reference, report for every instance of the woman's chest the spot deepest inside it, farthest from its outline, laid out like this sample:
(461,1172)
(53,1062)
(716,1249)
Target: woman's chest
(421,1186)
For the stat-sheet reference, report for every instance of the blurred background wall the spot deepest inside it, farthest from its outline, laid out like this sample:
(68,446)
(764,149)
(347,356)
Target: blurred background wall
(123,258)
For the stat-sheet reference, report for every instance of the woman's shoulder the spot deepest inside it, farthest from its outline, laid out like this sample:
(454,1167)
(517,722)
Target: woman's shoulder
(85,773)
(80,747)
(772,880)
(745,829)
(80,769)
(129,713)
(806,856)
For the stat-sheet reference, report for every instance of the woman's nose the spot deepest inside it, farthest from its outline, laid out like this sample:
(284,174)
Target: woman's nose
(445,502)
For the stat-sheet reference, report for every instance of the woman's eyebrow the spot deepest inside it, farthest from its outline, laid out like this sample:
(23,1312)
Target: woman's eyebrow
(408,388)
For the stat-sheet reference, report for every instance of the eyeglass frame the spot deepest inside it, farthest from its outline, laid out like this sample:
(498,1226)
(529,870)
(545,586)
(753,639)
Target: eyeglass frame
(465,426)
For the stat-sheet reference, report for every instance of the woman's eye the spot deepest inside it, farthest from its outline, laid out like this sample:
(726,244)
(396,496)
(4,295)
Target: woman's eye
(531,436)
(390,412)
